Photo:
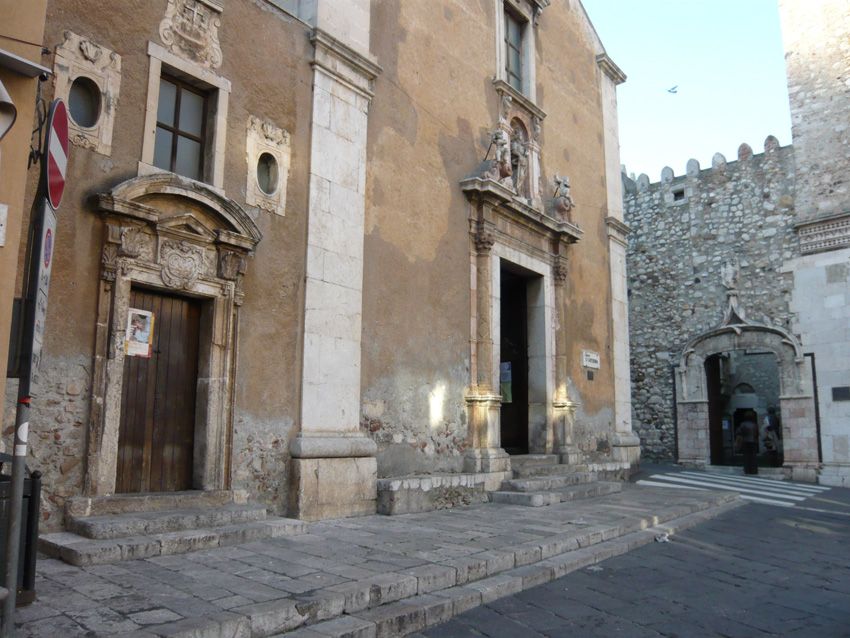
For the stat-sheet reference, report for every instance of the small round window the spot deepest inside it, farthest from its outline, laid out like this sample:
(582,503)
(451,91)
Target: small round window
(84,102)
(267,173)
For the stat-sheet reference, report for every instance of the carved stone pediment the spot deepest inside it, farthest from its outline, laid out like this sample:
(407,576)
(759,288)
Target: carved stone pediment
(207,238)
(501,198)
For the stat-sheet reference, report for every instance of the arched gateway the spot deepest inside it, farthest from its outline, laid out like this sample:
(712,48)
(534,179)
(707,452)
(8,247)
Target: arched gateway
(796,398)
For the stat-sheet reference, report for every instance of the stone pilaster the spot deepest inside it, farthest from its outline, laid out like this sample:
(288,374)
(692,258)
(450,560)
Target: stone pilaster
(334,470)
(626,445)
(483,402)
(564,409)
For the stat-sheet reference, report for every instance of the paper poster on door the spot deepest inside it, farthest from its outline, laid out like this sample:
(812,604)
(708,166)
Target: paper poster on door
(139,340)
(505,381)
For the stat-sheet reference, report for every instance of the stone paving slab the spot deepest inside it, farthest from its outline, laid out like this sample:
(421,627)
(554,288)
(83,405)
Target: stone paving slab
(398,574)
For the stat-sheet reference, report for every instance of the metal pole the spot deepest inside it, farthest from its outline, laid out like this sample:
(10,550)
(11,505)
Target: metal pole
(13,534)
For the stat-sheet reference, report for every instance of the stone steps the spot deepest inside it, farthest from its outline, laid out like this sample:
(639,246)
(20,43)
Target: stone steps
(111,526)
(533,471)
(571,493)
(548,483)
(524,461)
(79,506)
(108,529)
(82,551)
(401,603)
(425,493)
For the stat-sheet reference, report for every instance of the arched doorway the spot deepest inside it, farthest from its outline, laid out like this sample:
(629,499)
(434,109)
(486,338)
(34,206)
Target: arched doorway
(703,403)
(743,384)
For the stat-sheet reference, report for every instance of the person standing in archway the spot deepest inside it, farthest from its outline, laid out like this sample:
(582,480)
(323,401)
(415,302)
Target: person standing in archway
(749,439)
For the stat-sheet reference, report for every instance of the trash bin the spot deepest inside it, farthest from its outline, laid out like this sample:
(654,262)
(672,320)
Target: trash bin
(31,507)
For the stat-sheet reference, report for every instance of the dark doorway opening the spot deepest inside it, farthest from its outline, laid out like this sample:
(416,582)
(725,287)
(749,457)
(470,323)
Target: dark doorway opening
(513,366)
(741,383)
(157,432)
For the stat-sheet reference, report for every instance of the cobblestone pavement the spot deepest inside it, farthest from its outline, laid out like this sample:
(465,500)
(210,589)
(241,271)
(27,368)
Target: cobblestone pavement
(754,571)
(269,586)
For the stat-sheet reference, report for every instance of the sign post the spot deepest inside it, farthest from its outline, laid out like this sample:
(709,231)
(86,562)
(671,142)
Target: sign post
(37,283)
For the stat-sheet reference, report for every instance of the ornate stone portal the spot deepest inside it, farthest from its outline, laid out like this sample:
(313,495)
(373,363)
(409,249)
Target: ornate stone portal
(169,234)
(509,221)
(796,400)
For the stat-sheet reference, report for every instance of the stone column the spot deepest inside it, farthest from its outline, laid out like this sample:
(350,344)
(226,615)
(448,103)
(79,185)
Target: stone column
(483,401)
(334,470)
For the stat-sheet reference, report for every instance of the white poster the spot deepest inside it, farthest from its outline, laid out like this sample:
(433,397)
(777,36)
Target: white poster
(139,339)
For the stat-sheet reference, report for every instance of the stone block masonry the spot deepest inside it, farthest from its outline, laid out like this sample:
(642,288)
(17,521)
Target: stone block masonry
(683,229)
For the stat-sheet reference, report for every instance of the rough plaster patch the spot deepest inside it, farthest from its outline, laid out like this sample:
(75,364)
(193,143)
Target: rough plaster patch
(58,423)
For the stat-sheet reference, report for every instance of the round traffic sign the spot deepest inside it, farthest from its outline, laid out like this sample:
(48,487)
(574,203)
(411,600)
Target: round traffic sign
(56,153)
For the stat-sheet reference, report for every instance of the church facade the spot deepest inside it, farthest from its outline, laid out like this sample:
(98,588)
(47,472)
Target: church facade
(308,245)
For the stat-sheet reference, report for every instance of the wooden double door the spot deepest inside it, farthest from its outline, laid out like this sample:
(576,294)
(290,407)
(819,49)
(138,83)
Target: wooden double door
(157,432)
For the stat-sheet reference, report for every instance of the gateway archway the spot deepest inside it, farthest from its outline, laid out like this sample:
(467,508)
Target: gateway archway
(700,404)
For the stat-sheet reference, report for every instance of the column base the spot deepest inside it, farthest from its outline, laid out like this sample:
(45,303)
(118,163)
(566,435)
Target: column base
(570,455)
(333,477)
(486,460)
(626,449)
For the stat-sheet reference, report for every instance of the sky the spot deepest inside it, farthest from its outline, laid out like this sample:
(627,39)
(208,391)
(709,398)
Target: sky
(726,59)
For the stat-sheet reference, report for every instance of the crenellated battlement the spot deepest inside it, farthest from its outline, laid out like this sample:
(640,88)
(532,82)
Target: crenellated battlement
(773,153)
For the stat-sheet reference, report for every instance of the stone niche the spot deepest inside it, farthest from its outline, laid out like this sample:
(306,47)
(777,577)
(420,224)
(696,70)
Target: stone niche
(172,235)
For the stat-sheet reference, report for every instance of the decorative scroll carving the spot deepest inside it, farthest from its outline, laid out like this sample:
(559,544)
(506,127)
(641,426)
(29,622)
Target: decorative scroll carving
(536,128)
(484,240)
(190,29)
(181,262)
(132,242)
(90,50)
(231,265)
(559,271)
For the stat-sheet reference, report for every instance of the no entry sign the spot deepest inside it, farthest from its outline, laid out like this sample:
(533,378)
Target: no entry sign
(56,162)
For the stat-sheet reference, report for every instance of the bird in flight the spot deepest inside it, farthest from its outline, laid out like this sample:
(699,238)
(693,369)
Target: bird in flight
(674,89)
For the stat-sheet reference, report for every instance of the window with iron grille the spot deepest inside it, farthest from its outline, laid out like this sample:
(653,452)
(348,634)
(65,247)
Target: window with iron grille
(180,128)
(513,50)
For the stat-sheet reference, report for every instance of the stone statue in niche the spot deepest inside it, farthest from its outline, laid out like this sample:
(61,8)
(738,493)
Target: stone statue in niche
(562,200)
(500,169)
(519,163)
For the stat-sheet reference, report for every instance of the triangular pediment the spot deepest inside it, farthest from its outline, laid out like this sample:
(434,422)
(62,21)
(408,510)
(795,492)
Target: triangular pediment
(187,225)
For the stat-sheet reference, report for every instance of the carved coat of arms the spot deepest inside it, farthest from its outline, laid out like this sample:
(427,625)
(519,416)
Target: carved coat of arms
(182,263)
(190,29)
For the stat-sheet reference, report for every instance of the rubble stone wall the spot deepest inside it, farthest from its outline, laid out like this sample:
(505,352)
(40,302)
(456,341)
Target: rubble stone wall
(684,228)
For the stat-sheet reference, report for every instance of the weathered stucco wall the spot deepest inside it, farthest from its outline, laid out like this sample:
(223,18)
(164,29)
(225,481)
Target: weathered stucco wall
(683,229)
(266,389)
(430,126)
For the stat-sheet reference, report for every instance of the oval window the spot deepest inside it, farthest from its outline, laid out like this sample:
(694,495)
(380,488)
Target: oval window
(267,173)
(84,102)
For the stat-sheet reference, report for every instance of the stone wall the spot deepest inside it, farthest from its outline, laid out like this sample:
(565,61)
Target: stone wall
(683,229)
(815,37)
